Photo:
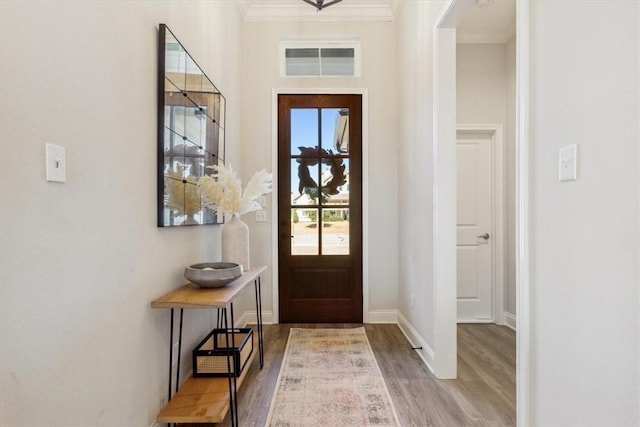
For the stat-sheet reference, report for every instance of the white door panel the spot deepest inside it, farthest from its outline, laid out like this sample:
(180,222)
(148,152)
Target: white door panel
(467,273)
(475,200)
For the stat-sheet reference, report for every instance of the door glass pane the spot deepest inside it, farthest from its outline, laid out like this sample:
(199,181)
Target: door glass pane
(335,181)
(304,228)
(335,231)
(304,129)
(304,181)
(335,130)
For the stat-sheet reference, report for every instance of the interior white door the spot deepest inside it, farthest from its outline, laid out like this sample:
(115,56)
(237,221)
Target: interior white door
(474,228)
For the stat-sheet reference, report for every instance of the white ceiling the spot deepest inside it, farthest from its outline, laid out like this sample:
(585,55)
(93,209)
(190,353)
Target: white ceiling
(492,23)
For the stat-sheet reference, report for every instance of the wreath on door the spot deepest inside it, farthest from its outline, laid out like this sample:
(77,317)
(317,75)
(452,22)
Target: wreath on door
(308,185)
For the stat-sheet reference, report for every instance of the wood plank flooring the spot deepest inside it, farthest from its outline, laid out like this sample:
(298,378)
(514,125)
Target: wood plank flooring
(482,395)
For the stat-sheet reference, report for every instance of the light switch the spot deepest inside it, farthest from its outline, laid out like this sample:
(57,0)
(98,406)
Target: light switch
(568,167)
(56,163)
(261,216)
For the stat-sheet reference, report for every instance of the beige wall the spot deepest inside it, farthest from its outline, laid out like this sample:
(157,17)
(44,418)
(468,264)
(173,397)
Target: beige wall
(261,74)
(81,261)
(481,83)
(585,233)
(415,170)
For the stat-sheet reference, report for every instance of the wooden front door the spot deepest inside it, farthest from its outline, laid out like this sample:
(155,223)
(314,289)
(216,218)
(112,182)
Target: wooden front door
(320,208)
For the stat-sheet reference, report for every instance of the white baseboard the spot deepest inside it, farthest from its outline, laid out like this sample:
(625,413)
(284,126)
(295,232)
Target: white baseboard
(383,316)
(475,321)
(510,321)
(426,353)
(249,317)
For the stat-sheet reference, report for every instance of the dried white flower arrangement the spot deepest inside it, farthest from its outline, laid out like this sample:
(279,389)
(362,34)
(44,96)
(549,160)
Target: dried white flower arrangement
(183,197)
(222,191)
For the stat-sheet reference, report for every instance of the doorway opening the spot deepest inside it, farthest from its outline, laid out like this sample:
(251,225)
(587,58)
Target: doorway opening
(445,174)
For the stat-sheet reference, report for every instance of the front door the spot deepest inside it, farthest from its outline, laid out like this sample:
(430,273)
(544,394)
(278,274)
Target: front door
(474,227)
(320,208)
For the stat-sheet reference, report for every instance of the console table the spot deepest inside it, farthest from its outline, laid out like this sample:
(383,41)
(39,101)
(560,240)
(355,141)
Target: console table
(207,400)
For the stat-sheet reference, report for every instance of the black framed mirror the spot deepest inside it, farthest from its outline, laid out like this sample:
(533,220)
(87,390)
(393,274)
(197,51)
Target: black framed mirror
(191,117)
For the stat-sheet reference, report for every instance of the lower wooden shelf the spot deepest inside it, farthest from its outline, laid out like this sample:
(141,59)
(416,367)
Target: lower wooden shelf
(203,400)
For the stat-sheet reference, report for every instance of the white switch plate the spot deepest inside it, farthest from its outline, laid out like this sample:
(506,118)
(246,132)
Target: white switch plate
(568,163)
(56,163)
(261,216)
(262,201)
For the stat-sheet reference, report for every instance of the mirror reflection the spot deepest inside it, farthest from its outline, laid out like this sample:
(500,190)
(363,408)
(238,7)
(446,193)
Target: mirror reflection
(191,113)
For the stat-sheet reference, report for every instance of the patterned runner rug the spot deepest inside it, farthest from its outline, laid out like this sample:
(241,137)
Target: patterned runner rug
(330,377)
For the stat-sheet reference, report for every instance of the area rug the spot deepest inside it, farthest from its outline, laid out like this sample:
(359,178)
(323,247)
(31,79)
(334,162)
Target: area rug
(330,377)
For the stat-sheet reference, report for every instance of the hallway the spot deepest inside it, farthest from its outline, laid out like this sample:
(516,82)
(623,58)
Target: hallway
(483,394)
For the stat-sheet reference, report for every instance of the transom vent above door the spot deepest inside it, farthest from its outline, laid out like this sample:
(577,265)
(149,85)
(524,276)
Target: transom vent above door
(320,59)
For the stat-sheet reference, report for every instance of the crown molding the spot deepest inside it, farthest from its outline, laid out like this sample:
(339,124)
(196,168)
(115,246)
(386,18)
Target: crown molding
(347,11)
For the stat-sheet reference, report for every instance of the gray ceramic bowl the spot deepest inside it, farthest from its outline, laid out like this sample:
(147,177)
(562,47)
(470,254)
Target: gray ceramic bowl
(213,274)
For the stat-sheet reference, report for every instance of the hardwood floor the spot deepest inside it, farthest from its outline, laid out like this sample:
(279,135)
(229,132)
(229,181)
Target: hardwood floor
(482,395)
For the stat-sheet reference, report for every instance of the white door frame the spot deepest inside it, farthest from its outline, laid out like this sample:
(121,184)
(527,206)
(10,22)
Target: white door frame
(444,158)
(365,188)
(495,132)
(523,82)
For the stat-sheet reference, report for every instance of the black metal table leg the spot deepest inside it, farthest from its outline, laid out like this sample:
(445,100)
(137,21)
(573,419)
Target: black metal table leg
(259,320)
(226,335)
(179,351)
(233,414)
(170,355)
(235,374)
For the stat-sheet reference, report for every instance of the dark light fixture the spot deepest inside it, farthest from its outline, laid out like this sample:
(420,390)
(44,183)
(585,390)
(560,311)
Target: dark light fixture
(320,4)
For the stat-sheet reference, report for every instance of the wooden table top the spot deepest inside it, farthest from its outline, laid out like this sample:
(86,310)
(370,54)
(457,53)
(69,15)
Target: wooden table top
(190,296)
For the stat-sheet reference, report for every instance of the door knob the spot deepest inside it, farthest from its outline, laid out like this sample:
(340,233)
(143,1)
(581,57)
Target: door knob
(484,236)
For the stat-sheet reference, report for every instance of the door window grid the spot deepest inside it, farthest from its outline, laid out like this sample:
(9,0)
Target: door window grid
(320,192)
